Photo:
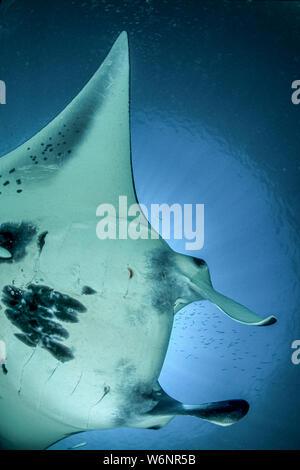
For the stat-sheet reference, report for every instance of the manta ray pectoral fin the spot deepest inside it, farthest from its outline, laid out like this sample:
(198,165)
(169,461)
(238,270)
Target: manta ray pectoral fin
(78,155)
(201,283)
(222,413)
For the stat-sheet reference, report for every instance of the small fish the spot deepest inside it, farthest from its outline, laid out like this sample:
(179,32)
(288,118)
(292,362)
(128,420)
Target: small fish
(81,444)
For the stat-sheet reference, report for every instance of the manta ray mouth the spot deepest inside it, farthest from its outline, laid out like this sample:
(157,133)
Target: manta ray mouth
(35,312)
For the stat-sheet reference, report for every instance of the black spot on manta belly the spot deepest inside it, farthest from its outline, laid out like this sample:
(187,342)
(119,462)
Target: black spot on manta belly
(87,290)
(42,240)
(161,271)
(15,238)
(35,310)
(57,349)
(28,339)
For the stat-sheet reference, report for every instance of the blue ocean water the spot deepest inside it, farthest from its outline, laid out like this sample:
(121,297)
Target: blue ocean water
(212,123)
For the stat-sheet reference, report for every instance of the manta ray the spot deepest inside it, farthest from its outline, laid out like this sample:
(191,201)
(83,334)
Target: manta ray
(85,323)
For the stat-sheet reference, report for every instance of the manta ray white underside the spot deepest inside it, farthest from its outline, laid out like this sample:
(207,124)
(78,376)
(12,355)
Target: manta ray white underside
(85,323)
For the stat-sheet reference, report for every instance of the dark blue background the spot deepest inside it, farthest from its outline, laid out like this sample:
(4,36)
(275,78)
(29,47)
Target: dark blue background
(213,123)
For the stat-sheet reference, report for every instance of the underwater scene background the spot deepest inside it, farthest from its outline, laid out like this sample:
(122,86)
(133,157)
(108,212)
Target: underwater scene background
(212,123)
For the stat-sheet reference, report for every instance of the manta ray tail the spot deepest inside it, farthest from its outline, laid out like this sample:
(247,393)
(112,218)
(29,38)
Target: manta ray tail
(222,413)
(203,285)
